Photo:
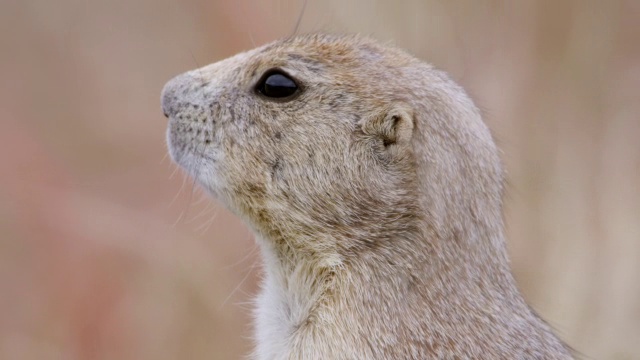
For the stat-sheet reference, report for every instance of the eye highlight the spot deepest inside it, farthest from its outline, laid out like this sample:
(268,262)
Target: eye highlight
(276,84)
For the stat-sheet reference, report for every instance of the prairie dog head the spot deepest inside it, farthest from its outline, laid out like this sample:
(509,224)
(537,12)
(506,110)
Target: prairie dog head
(333,144)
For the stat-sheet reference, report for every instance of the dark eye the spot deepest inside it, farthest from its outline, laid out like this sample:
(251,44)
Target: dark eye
(277,85)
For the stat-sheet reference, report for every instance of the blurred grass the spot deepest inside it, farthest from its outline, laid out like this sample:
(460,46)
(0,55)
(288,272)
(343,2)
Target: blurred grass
(97,261)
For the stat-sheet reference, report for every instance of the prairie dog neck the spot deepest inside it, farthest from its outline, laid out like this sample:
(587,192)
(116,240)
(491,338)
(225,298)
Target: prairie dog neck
(375,191)
(415,293)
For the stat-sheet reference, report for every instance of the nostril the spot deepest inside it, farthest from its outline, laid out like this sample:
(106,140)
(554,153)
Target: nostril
(166,102)
(168,97)
(173,92)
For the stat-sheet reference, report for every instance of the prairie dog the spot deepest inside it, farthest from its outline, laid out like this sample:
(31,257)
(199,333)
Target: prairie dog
(374,190)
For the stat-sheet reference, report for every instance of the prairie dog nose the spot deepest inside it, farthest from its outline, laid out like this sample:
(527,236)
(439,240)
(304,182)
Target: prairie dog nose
(175,91)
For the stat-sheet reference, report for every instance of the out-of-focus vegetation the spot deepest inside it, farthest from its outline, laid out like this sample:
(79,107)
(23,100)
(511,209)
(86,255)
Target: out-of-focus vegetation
(100,259)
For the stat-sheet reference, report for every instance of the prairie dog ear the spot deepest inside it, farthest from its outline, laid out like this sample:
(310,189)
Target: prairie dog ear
(393,126)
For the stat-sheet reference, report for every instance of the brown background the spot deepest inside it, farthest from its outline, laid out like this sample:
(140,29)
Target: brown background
(108,252)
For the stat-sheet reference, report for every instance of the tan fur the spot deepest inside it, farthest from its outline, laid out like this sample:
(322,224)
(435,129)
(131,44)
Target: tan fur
(376,196)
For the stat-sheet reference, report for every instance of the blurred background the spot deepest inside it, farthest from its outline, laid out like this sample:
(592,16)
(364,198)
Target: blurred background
(107,251)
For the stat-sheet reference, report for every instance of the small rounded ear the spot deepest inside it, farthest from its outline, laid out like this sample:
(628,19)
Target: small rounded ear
(393,126)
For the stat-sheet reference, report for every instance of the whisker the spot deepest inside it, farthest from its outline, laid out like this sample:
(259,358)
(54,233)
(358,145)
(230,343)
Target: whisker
(184,181)
(246,276)
(176,168)
(164,158)
(202,212)
(248,26)
(299,20)
(175,224)
(244,258)
(253,42)
(209,222)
